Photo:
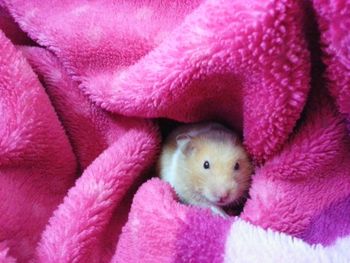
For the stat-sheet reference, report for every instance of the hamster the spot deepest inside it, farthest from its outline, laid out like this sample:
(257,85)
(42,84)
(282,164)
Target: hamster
(206,165)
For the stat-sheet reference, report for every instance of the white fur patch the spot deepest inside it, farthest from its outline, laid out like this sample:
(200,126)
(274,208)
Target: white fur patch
(171,173)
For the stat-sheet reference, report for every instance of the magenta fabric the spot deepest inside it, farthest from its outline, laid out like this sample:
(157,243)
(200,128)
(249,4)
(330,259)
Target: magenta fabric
(83,83)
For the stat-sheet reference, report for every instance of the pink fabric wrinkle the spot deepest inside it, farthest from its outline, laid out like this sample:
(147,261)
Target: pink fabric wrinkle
(83,85)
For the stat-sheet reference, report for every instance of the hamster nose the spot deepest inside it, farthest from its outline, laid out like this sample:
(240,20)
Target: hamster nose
(223,197)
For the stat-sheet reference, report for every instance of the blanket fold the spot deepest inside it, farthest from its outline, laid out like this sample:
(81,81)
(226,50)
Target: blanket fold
(122,150)
(79,103)
(147,76)
(306,184)
(36,158)
(167,231)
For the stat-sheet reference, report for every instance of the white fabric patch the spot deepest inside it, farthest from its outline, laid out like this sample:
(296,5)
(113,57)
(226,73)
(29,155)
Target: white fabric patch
(250,244)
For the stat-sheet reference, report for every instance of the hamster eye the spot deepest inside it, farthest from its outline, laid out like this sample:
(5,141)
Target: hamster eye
(206,165)
(236,166)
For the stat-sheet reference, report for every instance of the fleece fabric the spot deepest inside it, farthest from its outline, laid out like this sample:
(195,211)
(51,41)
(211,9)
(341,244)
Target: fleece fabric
(83,85)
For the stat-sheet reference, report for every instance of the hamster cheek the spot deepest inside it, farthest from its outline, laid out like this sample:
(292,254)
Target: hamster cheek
(235,191)
(196,183)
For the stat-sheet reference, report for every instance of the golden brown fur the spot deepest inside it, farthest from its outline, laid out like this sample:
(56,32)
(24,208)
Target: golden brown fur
(182,164)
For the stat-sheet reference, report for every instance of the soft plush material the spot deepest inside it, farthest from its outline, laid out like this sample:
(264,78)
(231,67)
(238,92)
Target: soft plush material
(160,229)
(84,83)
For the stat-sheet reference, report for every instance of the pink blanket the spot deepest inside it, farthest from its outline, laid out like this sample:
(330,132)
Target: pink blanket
(84,83)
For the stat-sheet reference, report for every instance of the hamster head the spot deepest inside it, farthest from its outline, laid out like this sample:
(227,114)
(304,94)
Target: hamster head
(215,166)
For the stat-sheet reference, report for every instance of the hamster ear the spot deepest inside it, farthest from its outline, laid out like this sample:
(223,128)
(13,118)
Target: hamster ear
(184,143)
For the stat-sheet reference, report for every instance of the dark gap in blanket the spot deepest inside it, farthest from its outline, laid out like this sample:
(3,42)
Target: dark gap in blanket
(121,212)
(313,37)
(168,125)
(12,30)
(237,208)
(79,169)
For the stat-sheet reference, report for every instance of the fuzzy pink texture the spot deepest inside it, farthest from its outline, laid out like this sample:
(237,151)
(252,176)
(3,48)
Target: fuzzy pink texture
(310,174)
(113,151)
(160,229)
(334,21)
(107,67)
(257,64)
(4,254)
(36,159)
(11,29)
(172,231)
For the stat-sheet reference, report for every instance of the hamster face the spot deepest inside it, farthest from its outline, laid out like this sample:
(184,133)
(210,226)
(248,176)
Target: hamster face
(217,168)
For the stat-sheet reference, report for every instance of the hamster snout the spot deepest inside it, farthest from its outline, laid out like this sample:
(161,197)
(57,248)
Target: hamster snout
(206,165)
(221,196)
(219,167)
